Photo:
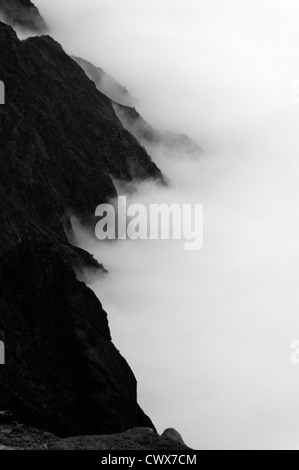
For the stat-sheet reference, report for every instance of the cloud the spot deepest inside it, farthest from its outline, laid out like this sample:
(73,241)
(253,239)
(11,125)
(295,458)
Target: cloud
(208,334)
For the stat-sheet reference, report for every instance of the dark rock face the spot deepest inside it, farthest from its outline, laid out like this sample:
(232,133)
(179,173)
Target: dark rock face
(61,144)
(171,433)
(62,372)
(24,14)
(105,83)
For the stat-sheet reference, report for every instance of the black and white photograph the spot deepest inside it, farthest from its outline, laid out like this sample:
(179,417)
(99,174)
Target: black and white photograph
(149,228)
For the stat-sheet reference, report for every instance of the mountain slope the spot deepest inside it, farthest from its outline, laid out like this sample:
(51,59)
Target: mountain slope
(123,104)
(61,142)
(105,83)
(61,145)
(24,14)
(151,137)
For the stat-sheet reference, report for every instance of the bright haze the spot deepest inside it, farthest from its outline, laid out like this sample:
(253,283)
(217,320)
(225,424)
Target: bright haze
(207,333)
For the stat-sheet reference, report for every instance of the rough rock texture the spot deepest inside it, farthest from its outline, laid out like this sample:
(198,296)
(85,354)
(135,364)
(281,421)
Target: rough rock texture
(62,371)
(172,434)
(18,436)
(106,84)
(60,146)
(24,14)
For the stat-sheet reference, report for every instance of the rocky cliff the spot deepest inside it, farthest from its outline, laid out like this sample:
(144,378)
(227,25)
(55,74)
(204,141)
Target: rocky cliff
(61,145)
(61,141)
(23,14)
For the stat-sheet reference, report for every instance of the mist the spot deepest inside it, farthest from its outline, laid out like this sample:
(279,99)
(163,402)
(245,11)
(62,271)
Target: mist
(207,333)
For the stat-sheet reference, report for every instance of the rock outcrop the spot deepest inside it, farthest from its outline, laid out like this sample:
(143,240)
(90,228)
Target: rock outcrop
(23,14)
(18,436)
(172,434)
(61,145)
